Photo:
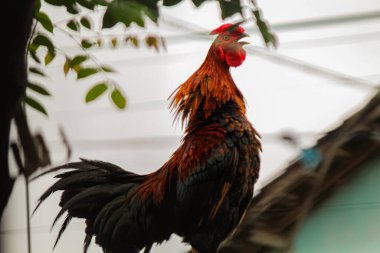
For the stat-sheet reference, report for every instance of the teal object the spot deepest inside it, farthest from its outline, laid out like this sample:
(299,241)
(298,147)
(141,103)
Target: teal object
(349,221)
(310,158)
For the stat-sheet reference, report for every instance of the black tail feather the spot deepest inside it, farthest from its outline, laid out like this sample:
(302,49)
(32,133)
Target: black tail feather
(63,228)
(93,190)
(105,213)
(148,248)
(87,242)
(83,199)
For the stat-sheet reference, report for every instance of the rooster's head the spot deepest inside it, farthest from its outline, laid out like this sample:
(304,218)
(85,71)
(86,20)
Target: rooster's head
(227,46)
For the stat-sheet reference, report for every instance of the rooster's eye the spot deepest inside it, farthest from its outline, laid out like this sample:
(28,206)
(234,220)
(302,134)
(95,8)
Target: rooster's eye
(226,37)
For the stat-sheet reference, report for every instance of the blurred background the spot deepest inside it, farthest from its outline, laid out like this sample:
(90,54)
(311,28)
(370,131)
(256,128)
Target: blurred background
(325,68)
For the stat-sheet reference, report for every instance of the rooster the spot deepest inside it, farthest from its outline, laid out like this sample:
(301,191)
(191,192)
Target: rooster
(201,193)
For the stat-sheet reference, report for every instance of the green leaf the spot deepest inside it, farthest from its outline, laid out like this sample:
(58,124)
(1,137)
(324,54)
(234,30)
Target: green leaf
(229,8)
(86,43)
(85,21)
(85,72)
(89,4)
(33,47)
(37,6)
(96,91)
(42,40)
(78,59)
(198,3)
(45,21)
(66,66)
(35,104)
(151,10)
(118,98)
(171,2)
(266,34)
(33,52)
(36,71)
(124,12)
(76,68)
(108,20)
(49,57)
(71,4)
(55,2)
(73,25)
(38,88)
(151,4)
(152,41)
(152,14)
(114,42)
(107,69)
(134,40)
(34,56)
(99,42)
(72,7)
(101,2)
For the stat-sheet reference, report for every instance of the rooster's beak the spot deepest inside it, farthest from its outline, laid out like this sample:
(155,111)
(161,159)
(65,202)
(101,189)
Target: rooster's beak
(243,36)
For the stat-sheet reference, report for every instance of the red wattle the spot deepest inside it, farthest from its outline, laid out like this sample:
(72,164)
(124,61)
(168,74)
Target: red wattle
(235,58)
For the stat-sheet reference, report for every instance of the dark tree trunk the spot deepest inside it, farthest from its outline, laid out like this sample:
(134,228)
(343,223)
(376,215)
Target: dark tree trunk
(17,26)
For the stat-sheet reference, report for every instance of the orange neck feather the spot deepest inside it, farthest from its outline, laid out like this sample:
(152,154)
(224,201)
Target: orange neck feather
(209,88)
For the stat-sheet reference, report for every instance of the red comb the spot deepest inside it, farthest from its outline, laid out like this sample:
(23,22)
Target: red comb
(225,27)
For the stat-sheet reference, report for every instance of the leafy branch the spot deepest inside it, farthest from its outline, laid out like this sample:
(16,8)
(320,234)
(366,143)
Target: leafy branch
(267,34)
(127,12)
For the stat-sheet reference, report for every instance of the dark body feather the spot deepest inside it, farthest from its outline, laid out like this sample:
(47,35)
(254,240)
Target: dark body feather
(213,196)
(201,193)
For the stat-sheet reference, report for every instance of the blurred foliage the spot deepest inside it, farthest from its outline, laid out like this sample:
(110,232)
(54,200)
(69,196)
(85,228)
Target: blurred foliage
(267,34)
(127,12)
